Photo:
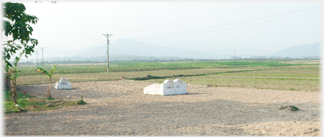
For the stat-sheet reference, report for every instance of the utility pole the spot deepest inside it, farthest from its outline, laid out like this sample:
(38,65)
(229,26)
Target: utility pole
(234,55)
(37,57)
(107,36)
(42,56)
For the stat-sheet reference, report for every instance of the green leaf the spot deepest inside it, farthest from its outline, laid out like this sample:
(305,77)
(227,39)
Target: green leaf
(7,68)
(13,77)
(17,74)
(53,69)
(43,71)
(16,61)
(16,23)
(293,108)
(7,77)
(8,65)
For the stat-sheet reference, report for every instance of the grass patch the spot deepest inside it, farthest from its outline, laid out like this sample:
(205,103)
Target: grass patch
(27,102)
(153,66)
(81,102)
(292,108)
(50,98)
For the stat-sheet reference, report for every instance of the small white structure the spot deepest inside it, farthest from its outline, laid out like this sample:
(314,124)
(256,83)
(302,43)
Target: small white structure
(168,87)
(62,84)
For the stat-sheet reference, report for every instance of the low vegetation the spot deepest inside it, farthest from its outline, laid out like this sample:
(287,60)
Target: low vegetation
(292,108)
(153,66)
(27,102)
(53,69)
(261,75)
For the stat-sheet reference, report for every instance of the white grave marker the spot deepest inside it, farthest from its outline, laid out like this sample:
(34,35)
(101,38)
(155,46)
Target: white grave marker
(62,84)
(168,87)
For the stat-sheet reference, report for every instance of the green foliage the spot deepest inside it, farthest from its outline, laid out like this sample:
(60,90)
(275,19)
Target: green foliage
(25,104)
(81,102)
(19,95)
(292,108)
(12,74)
(50,76)
(153,66)
(53,69)
(10,106)
(17,25)
(43,71)
(12,69)
(50,98)
(283,107)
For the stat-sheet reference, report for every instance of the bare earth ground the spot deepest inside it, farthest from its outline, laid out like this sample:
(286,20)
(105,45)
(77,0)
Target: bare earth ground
(121,108)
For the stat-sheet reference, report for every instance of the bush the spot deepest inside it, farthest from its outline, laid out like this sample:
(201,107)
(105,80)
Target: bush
(81,102)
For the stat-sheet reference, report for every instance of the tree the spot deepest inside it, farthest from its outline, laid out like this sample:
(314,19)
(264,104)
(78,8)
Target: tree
(50,76)
(16,26)
(12,75)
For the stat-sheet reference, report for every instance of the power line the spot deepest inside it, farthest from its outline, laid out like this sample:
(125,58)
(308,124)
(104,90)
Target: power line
(226,14)
(183,20)
(239,26)
(238,21)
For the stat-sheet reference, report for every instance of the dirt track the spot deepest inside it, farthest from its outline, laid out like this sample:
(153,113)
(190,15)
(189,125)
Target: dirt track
(121,108)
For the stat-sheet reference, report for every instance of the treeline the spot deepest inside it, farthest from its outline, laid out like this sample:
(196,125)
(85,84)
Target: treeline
(257,58)
(275,58)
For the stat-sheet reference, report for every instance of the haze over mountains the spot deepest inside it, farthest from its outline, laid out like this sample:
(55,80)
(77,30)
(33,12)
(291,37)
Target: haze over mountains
(131,47)
(305,50)
(125,49)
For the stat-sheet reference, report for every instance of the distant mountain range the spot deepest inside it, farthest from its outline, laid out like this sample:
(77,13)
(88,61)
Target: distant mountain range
(131,47)
(305,50)
(125,49)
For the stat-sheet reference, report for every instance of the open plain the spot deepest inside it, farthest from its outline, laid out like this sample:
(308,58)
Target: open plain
(224,98)
(121,108)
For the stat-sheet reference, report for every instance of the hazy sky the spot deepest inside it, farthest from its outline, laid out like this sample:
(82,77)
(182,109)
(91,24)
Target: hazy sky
(269,26)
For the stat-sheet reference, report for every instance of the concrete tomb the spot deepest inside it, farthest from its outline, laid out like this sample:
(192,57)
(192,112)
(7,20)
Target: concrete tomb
(168,87)
(62,84)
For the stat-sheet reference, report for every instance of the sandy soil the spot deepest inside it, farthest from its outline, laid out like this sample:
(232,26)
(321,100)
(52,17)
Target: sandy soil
(121,108)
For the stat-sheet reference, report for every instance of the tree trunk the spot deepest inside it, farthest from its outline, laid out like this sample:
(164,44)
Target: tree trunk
(13,91)
(7,82)
(49,88)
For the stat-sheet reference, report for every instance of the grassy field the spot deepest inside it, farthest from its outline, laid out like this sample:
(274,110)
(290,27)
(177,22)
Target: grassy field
(281,75)
(150,66)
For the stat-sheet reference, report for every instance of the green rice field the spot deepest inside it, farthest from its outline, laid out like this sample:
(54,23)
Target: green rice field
(280,75)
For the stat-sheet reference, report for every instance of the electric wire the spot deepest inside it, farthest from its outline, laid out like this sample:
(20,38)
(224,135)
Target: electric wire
(183,20)
(235,27)
(226,15)
(237,21)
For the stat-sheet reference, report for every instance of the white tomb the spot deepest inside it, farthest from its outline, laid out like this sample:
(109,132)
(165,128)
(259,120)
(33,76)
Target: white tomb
(62,84)
(168,87)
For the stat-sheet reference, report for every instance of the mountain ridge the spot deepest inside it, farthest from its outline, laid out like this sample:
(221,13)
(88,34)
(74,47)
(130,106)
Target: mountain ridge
(299,51)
